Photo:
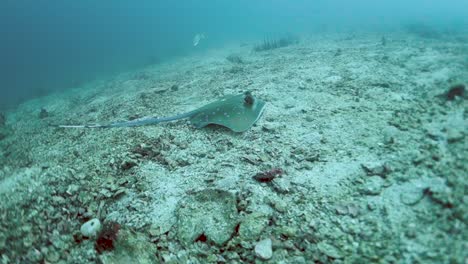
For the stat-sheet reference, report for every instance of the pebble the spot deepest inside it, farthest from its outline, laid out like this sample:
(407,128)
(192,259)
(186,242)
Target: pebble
(91,228)
(52,256)
(281,185)
(271,127)
(375,168)
(390,134)
(263,249)
(454,135)
(252,226)
(412,197)
(373,186)
(329,250)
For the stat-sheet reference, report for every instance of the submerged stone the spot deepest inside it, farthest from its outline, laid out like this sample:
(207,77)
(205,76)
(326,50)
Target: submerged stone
(207,215)
(263,249)
(91,228)
(131,247)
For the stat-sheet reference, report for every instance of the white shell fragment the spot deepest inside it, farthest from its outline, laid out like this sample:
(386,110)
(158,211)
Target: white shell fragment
(91,228)
(263,249)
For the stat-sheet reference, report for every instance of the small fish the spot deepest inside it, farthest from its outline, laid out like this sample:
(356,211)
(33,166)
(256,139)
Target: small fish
(197,39)
(236,112)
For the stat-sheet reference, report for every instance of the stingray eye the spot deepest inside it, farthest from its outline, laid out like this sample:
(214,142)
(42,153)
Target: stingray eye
(248,98)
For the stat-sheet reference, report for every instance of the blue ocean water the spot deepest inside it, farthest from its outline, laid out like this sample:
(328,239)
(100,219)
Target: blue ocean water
(55,45)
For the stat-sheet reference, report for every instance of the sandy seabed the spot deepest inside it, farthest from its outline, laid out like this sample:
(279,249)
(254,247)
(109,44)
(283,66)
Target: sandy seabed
(373,154)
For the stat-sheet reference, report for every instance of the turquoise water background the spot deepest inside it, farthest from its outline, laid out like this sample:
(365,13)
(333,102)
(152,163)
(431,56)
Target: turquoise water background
(54,45)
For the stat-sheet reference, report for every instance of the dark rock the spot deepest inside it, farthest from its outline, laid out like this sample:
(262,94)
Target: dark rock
(43,114)
(2,119)
(268,176)
(5,131)
(128,164)
(107,237)
(454,91)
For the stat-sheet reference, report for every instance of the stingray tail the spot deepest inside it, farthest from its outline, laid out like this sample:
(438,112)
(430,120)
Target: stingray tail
(138,122)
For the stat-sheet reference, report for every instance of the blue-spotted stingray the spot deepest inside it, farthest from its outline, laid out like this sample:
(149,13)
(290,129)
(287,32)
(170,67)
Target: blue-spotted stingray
(236,112)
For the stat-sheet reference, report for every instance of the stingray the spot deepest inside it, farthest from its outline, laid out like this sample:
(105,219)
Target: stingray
(236,112)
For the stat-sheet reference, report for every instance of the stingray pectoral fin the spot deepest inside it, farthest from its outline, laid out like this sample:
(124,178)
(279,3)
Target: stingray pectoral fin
(235,116)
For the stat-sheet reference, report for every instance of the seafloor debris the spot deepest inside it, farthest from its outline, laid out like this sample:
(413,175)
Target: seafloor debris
(268,176)
(107,236)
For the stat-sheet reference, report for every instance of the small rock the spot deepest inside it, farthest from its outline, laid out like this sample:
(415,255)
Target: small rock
(439,191)
(58,200)
(282,185)
(375,168)
(412,197)
(280,205)
(454,91)
(72,189)
(159,90)
(132,247)
(263,249)
(329,250)
(390,134)
(209,213)
(91,228)
(43,114)
(53,256)
(352,210)
(268,176)
(128,164)
(373,186)
(252,226)
(270,127)
(454,135)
